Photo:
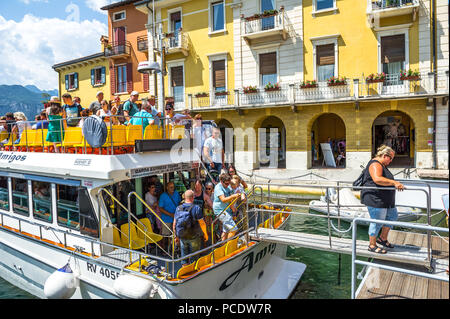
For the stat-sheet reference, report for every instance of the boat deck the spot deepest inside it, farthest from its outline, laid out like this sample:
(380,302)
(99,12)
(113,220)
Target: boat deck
(385,284)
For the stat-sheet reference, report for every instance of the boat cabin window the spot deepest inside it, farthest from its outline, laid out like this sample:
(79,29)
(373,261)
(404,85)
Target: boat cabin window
(20,196)
(67,206)
(88,219)
(4,193)
(42,201)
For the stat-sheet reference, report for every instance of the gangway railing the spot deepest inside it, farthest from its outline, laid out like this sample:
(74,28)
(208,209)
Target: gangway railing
(355,261)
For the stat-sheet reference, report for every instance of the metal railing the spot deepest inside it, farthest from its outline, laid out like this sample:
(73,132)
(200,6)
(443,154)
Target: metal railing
(387,4)
(118,49)
(355,222)
(142,43)
(264,22)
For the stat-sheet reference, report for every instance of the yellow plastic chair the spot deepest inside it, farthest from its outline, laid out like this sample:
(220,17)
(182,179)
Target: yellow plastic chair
(3,135)
(39,140)
(136,242)
(28,136)
(73,136)
(186,271)
(116,238)
(277,220)
(134,132)
(12,138)
(178,132)
(204,261)
(119,136)
(145,231)
(152,132)
(231,246)
(219,253)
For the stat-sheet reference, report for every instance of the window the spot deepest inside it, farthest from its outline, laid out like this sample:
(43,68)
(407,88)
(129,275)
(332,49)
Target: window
(177,83)
(218,16)
(67,206)
(121,78)
(42,201)
(20,196)
(267,23)
(175,26)
(325,62)
(88,219)
(118,16)
(4,193)
(324,4)
(268,68)
(218,74)
(71,81)
(98,76)
(393,57)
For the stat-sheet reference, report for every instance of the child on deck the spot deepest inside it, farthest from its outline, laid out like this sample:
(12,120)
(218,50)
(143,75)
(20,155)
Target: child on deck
(55,129)
(235,184)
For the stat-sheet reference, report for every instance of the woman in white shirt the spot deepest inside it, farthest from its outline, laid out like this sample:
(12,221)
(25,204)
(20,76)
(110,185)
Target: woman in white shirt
(105,113)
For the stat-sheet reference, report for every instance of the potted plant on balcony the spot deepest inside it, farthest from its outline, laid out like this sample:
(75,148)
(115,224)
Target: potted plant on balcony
(250,89)
(169,35)
(272,87)
(376,77)
(256,16)
(335,81)
(308,84)
(221,93)
(201,94)
(409,75)
(269,13)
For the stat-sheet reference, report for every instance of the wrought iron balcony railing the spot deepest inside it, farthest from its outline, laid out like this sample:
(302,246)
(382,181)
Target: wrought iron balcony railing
(118,49)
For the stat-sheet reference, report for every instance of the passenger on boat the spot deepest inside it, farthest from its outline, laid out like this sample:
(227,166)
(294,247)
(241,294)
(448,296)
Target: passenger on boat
(159,186)
(232,172)
(3,131)
(130,107)
(96,105)
(71,110)
(105,114)
(189,227)
(55,133)
(144,117)
(223,196)
(168,203)
(84,114)
(380,203)
(213,152)
(208,214)
(77,100)
(21,125)
(151,199)
(42,123)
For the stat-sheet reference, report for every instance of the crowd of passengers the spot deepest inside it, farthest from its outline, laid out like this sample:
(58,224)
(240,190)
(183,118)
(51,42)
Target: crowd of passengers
(57,116)
(190,216)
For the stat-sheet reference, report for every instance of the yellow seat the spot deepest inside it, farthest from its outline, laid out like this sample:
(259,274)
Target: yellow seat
(40,139)
(73,137)
(276,220)
(231,246)
(177,132)
(186,271)
(3,135)
(136,242)
(116,238)
(12,138)
(152,132)
(28,136)
(135,266)
(202,262)
(119,136)
(134,132)
(219,253)
(145,231)
(267,223)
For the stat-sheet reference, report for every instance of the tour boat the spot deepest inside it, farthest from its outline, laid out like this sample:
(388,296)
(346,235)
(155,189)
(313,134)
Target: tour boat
(74,225)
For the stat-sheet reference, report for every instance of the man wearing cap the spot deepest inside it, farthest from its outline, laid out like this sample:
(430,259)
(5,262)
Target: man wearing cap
(130,107)
(96,105)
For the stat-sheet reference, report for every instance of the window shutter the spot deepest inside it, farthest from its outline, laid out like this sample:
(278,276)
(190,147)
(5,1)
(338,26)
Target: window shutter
(393,48)
(103,75)
(92,77)
(112,79)
(177,76)
(268,63)
(325,54)
(67,81)
(129,77)
(75,80)
(145,79)
(175,16)
(219,74)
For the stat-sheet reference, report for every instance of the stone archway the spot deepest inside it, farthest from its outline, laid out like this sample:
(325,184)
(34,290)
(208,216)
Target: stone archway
(328,128)
(395,129)
(272,150)
(228,143)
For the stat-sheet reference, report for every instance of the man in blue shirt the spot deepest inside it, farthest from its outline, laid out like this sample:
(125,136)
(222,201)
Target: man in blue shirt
(130,107)
(72,111)
(223,196)
(144,117)
(168,203)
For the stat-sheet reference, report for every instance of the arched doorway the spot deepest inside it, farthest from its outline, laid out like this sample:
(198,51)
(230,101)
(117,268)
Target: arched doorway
(395,129)
(272,143)
(328,141)
(227,141)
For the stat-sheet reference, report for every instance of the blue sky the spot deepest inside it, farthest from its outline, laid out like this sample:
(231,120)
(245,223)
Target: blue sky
(37,34)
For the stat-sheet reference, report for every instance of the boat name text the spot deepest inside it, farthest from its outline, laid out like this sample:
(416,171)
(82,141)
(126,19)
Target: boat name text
(10,157)
(105,272)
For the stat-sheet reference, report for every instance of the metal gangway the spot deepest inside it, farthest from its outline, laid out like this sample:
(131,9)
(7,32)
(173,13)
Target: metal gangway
(403,254)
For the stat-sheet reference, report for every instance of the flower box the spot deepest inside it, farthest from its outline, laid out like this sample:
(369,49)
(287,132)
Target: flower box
(203,94)
(250,89)
(334,81)
(410,78)
(223,93)
(308,85)
(265,14)
(409,75)
(376,78)
(272,87)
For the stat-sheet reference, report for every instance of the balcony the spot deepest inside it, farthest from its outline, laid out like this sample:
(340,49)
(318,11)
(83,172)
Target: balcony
(378,9)
(118,50)
(353,90)
(177,43)
(268,26)
(142,43)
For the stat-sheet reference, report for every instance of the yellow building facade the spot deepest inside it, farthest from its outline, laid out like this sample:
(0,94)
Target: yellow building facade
(84,77)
